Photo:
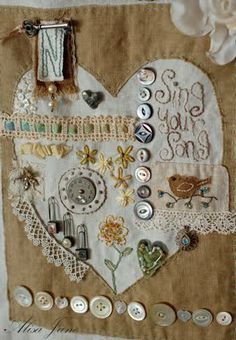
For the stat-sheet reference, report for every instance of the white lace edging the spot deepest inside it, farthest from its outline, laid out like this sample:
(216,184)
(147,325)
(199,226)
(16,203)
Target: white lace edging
(202,222)
(55,253)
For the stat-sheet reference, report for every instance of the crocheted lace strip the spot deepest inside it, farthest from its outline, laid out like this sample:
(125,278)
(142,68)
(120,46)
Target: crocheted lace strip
(94,128)
(37,233)
(203,223)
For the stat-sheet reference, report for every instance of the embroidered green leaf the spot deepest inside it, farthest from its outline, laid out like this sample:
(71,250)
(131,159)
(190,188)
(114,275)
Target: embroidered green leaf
(110,265)
(127,251)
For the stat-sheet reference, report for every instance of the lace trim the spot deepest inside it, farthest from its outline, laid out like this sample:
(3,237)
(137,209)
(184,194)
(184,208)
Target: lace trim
(37,233)
(203,223)
(94,128)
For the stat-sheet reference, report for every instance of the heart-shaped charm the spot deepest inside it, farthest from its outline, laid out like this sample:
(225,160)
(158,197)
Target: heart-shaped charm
(151,256)
(184,315)
(93,99)
(61,302)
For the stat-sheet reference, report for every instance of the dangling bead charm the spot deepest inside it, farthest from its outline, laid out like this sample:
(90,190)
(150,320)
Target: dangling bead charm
(52,90)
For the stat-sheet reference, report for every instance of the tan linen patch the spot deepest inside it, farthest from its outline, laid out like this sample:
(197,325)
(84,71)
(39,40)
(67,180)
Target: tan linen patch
(190,280)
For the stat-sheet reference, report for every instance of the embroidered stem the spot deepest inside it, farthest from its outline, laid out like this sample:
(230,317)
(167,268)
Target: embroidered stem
(113,267)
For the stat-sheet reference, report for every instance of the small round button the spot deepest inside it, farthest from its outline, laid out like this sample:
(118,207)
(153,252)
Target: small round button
(79,304)
(144,133)
(61,302)
(142,174)
(163,315)
(23,296)
(144,191)
(67,242)
(224,318)
(146,76)
(143,210)
(120,307)
(143,155)
(144,94)
(202,317)
(101,307)
(184,315)
(144,111)
(43,301)
(136,311)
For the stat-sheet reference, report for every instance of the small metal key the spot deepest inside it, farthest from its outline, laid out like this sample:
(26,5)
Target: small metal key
(31,29)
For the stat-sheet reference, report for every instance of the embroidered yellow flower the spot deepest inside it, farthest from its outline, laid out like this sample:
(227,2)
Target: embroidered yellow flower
(87,156)
(112,231)
(124,156)
(104,164)
(121,179)
(126,197)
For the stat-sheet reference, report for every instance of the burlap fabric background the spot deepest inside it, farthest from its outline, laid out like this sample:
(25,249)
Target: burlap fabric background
(112,43)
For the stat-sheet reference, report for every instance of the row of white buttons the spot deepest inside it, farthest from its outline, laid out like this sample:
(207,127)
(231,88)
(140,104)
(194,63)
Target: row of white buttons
(100,306)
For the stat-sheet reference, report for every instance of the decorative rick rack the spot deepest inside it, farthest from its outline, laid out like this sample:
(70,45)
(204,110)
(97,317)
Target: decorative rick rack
(135,179)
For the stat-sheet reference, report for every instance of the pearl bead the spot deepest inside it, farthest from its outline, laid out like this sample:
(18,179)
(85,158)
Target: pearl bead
(52,104)
(52,88)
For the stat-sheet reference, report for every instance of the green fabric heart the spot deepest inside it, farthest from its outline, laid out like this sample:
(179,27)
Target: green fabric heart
(151,256)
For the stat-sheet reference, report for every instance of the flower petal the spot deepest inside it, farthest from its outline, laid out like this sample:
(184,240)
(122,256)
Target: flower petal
(223,45)
(129,149)
(189,18)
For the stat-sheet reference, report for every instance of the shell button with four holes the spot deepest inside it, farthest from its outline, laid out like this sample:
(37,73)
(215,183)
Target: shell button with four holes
(136,311)
(144,94)
(43,301)
(101,307)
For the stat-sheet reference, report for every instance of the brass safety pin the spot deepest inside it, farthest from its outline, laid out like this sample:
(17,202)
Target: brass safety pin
(81,251)
(52,214)
(68,229)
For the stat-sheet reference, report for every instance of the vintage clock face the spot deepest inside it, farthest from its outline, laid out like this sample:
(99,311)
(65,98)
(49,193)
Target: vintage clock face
(82,190)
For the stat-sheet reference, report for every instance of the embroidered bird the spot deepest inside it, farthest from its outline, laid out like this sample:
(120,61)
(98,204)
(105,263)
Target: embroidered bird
(186,186)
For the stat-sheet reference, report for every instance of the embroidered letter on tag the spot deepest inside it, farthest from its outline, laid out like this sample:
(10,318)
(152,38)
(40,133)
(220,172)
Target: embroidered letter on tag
(50,54)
